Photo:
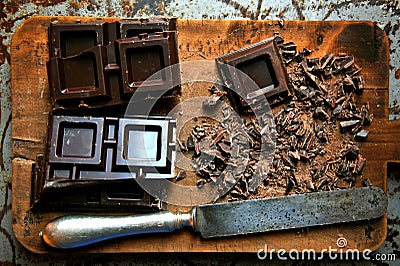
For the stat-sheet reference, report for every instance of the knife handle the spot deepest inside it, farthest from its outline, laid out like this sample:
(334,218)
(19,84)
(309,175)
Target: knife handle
(73,231)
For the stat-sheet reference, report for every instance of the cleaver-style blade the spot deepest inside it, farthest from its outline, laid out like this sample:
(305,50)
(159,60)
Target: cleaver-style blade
(225,219)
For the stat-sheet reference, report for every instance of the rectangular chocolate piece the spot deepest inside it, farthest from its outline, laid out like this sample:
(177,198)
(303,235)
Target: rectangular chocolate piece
(96,148)
(92,67)
(89,155)
(78,59)
(260,62)
(79,76)
(69,39)
(117,195)
(133,27)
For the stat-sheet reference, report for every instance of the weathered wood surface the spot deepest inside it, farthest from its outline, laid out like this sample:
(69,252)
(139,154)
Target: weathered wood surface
(206,40)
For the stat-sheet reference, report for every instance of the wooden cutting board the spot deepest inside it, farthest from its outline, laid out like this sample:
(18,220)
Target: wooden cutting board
(198,40)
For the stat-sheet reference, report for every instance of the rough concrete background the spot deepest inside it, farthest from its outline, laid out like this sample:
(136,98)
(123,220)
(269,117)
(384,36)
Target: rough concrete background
(385,13)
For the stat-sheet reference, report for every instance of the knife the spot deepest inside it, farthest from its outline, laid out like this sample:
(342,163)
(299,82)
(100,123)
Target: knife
(225,219)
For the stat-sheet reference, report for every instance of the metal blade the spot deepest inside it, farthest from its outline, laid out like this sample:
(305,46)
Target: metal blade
(295,211)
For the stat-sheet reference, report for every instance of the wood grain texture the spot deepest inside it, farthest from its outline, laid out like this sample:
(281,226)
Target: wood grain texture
(199,40)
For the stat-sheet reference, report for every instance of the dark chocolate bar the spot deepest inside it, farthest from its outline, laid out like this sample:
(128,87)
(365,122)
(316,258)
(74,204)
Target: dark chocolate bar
(98,64)
(97,148)
(99,158)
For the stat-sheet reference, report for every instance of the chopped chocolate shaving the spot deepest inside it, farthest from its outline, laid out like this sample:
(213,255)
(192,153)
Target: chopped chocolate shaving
(315,130)
(362,134)
(347,125)
(181,175)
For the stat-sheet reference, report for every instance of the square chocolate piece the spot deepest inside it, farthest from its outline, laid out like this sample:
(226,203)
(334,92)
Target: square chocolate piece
(76,140)
(80,76)
(69,39)
(143,143)
(261,63)
(148,149)
(145,62)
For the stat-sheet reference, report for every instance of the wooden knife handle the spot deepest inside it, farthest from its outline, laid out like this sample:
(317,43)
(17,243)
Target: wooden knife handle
(73,231)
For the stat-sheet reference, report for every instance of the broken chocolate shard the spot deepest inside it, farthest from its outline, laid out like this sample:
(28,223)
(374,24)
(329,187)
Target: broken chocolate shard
(312,62)
(326,60)
(294,155)
(348,84)
(351,153)
(359,83)
(366,117)
(305,92)
(346,63)
(190,143)
(314,79)
(321,113)
(212,101)
(337,110)
(322,136)
(360,164)
(362,134)
(201,182)
(289,46)
(330,101)
(306,51)
(181,175)
(366,182)
(348,125)
(133,27)
(225,148)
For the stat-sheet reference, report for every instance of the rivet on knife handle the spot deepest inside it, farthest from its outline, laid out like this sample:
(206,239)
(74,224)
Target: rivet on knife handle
(73,231)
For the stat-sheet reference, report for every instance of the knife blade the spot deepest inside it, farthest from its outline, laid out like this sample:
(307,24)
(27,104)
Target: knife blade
(225,219)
